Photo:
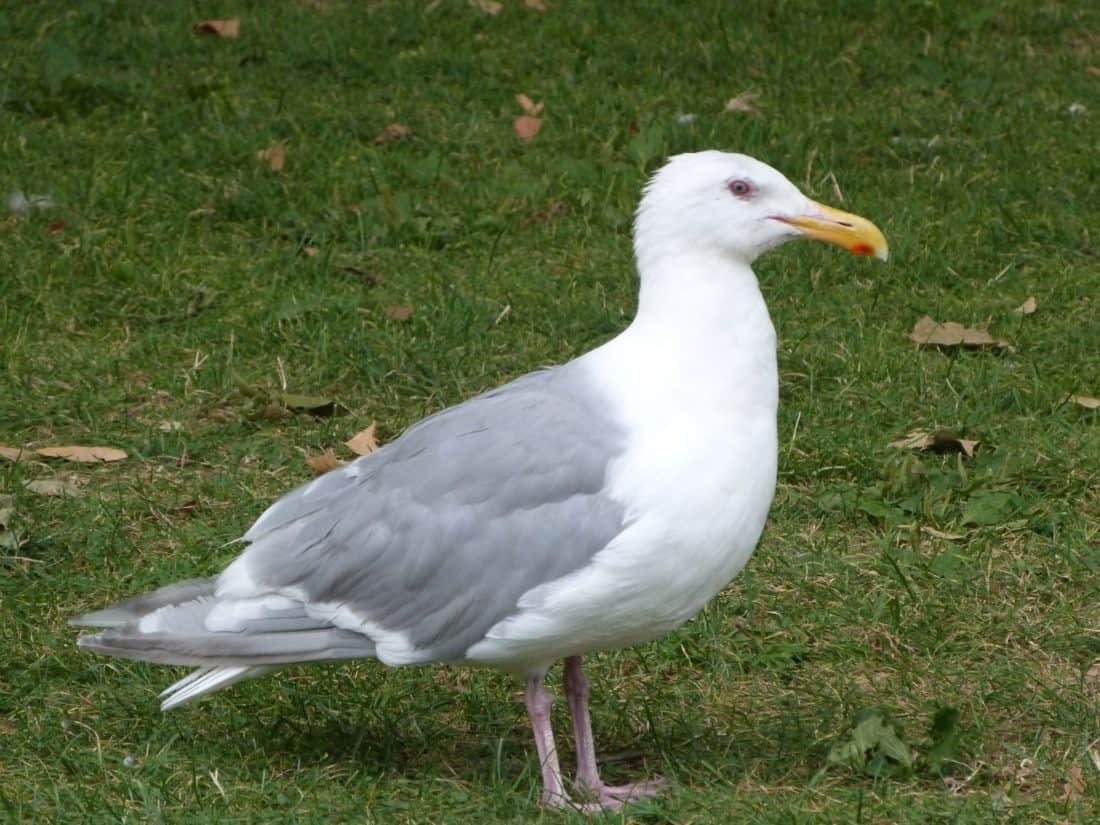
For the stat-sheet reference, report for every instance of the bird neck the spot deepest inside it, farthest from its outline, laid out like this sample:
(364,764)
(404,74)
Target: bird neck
(703,330)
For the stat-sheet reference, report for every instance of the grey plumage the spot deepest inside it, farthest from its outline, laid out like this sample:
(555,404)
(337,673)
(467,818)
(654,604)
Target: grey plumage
(435,536)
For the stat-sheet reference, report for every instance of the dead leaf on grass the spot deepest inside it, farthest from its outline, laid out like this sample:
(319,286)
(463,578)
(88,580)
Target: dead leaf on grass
(395,131)
(1074,786)
(928,332)
(363,443)
(274,156)
(321,464)
(53,487)
(526,127)
(399,313)
(940,441)
(88,455)
(310,251)
(56,226)
(319,405)
(1027,307)
(227,29)
(744,102)
(1086,401)
(489,7)
(529,107)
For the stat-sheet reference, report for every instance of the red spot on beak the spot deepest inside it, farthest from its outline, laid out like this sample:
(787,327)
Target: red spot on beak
(861,249)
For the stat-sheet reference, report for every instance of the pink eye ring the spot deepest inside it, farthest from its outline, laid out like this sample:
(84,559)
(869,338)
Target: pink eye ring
(740,188)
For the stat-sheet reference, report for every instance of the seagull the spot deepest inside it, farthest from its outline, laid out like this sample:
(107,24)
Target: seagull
(583,507)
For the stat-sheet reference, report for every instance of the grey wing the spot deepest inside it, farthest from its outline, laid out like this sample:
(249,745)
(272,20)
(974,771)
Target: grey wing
(436,536)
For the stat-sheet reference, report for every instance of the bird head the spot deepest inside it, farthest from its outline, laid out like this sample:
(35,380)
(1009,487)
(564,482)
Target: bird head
(739,207)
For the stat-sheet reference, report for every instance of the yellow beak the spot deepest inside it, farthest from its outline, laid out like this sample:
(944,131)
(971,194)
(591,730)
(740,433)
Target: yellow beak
(858,235)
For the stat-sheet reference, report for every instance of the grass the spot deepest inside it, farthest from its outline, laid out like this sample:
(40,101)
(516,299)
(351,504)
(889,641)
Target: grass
(177,286)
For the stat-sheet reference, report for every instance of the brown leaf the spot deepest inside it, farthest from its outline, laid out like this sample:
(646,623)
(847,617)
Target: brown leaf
(56,226)
(363,443)
(931,333)
(274,156)
(526,127)
(1074,786)
(490,7)
(83,454)
(228,29)
(324,462)
(1086,401)
(1093,70)
(1027,307)
(941,441)
(399,313)
(14,453)
(529,108)
(744,102)
(395,131)
(310,251)
(53,487)
(537,5)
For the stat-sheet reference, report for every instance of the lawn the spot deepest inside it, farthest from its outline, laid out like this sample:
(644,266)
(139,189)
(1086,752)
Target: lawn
(918,636)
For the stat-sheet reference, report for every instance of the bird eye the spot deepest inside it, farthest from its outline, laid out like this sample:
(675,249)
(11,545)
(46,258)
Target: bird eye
(740,188)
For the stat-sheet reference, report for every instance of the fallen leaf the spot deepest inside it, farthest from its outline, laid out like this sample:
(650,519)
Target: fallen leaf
(1074,786)
(395,131)
(941,441)
(399,313)
(537,5)
(529,107)
(490,7)
(52,487)
(83,454)
(928,332)
(56,226)
(1093,70)
(14,453)
(318,405)
(10,538)
(744,102)
(228,29)
(310,251)
(274,156)
(526,127)
(1027,307)
(324,462)
(363,443)
(1086,401)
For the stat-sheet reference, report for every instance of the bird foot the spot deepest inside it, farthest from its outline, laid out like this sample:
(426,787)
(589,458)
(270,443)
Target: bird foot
(607,797)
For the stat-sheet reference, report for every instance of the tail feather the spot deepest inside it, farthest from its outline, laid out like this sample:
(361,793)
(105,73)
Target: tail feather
(133,609)
(226,638)
(206,680)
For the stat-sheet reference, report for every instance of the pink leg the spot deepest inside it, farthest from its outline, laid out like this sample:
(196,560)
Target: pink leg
(539,702)
(588,773)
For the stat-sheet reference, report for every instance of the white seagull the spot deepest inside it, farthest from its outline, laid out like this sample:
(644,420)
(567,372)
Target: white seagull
(588,506)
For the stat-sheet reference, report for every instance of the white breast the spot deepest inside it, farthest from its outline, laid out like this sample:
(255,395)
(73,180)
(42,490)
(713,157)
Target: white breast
(697,480)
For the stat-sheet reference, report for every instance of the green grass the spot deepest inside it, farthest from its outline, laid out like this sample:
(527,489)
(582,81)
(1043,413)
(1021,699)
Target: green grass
(183,287)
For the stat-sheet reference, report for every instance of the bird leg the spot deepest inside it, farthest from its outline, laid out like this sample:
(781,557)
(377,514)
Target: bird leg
(588,774)
(539,701)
